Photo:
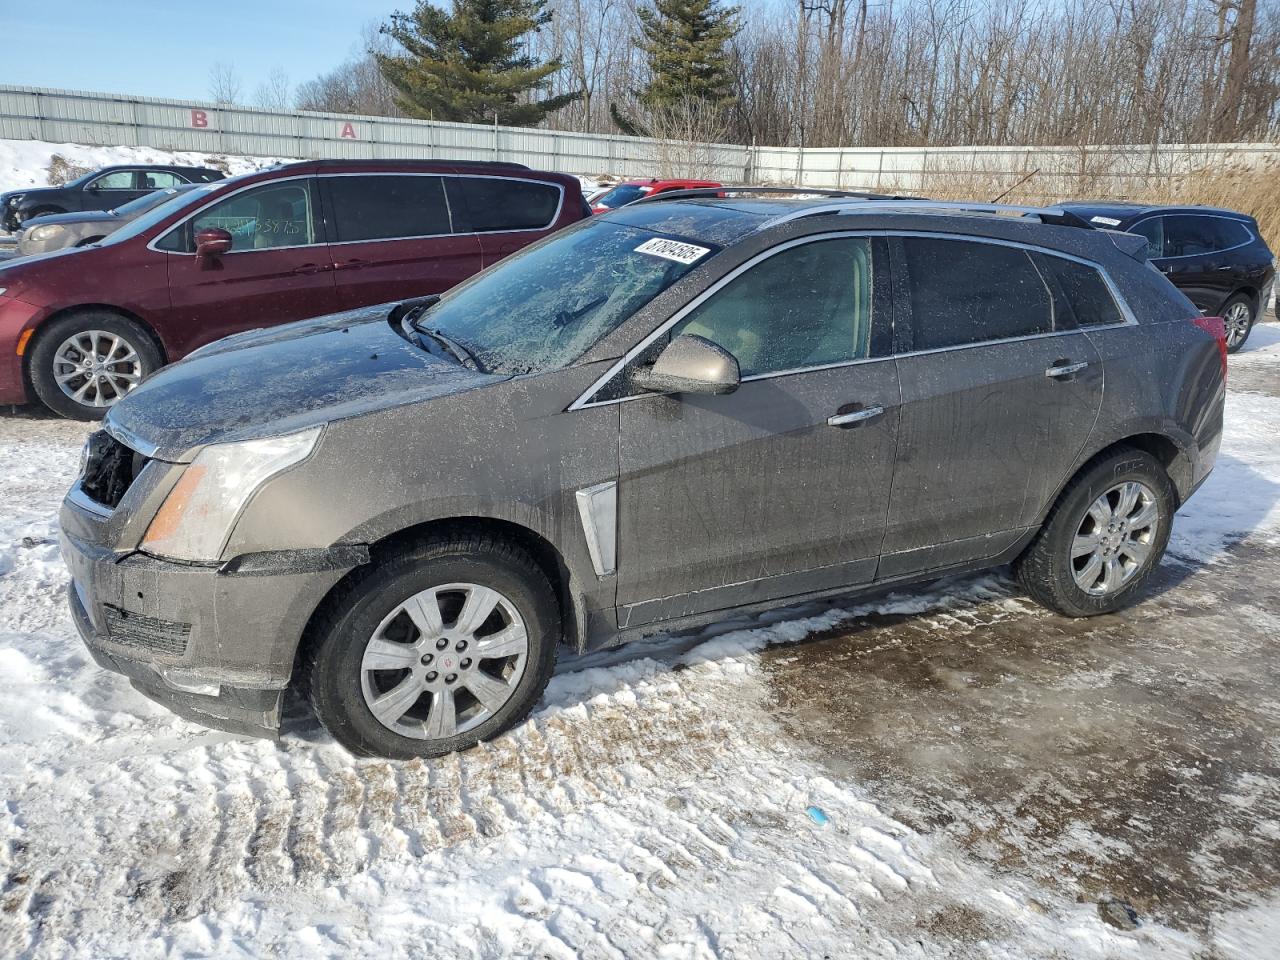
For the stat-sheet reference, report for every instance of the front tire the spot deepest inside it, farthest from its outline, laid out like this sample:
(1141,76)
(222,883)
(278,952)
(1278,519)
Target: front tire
(82,364)
(1238,318)
(1103,538)
(447,644)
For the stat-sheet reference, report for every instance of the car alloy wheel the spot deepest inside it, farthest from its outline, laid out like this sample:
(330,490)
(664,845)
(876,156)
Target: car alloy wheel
(1114,539)
(444,661)
(1238,319)
(96,367)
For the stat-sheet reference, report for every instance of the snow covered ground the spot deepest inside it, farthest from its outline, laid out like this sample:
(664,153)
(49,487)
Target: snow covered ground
(745,791)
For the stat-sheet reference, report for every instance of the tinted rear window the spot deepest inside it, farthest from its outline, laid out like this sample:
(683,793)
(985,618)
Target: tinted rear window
(1187,236)
(376,207)
(964,292)
(1086,292)
(495,204)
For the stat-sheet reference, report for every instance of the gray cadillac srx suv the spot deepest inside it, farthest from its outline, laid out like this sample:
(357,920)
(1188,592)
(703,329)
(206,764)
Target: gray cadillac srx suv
(654,417)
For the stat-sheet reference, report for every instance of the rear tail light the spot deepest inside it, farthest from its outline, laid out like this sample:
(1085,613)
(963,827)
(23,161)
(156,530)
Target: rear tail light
(1216,327)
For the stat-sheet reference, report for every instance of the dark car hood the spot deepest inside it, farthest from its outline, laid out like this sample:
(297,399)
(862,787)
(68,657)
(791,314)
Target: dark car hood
(39,193)
(89,216)
(283,379)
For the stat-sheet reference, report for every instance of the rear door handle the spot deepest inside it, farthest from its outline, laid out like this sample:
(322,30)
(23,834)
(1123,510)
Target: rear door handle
(311,268)
(353,264)
(845,417)
(1063,369)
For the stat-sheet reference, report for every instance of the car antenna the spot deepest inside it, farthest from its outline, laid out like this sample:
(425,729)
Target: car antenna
(1016,185)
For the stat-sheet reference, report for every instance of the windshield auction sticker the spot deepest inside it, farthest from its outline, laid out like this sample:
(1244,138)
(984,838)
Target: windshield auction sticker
(673,250)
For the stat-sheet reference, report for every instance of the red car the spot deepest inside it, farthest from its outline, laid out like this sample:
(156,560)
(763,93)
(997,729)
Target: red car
(80,328)
(629,191)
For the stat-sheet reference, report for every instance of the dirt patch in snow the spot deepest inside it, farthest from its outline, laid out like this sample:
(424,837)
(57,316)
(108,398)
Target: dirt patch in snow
(1129,757)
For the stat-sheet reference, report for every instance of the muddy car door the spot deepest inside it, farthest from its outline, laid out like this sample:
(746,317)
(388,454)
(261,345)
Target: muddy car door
(999,394)
(780,487)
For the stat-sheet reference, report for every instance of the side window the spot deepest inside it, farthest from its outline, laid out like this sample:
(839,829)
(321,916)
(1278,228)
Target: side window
(965,292)
(386,207)
(1153,230)
(116,180)
(1087,293)
(803,307)
(157,179)
(495,204)
(1189,236)
(274,215)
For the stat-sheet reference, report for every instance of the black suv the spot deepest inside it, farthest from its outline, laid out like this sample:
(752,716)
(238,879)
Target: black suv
(1216,257)
(103,189)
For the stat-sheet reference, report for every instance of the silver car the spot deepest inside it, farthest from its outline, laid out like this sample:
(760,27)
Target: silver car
(648,420)
(60,230)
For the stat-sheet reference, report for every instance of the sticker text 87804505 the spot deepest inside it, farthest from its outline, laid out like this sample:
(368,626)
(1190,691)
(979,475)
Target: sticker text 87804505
(673,250)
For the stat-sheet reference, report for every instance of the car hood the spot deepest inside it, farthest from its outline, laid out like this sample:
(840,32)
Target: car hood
(39,193)
(67,219)
(283,379)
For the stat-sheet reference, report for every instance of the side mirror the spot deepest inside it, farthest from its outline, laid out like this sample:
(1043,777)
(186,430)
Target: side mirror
(690,364)
(212,242)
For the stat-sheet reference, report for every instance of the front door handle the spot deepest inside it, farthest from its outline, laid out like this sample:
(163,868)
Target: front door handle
(845,417)
(1063,369)
(310,268)
(355,263)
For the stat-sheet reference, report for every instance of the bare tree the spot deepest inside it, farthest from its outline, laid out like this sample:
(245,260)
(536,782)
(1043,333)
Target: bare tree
(224,83)
(275,92)
(355,86)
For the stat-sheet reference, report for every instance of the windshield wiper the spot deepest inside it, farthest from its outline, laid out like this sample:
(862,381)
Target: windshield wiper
(453,347)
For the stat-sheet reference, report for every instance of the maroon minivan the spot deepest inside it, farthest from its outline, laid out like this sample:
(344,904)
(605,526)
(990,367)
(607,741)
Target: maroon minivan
(80,328)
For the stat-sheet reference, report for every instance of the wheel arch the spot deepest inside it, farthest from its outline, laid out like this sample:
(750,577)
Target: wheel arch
(543,552)
(63,312)
(1177,460)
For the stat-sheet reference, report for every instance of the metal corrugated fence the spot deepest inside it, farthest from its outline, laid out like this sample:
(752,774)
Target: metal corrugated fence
(71,116)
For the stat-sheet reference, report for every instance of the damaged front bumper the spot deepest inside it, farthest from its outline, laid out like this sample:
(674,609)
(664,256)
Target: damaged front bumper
(216,646)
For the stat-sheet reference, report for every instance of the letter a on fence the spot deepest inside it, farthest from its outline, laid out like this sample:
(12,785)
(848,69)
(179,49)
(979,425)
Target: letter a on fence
(349,131)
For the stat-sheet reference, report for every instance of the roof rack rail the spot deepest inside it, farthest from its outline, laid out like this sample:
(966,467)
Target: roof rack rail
(340,162)
(693,193)
(1052,215)
(1057,216)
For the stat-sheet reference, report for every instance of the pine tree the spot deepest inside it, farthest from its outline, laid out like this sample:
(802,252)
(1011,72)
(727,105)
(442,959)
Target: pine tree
(686,43)
(470,63)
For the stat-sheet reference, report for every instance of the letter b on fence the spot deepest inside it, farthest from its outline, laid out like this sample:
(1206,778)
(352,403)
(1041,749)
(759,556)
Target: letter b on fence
(199,119)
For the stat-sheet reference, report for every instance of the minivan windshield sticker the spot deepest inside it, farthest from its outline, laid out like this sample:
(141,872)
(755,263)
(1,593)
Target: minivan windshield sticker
(673,250)
(1106,221)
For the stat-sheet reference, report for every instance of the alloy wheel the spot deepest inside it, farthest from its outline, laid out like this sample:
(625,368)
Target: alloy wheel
(1115,538)
(96,368)
(1238,320)
(444,661)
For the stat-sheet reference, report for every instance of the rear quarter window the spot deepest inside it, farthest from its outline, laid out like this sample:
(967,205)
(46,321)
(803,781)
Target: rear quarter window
(494,204)
(1084,291)
(963,292)
(1190,235)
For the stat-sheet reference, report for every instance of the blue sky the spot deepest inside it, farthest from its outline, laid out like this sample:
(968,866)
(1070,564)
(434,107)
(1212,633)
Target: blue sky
(165,48)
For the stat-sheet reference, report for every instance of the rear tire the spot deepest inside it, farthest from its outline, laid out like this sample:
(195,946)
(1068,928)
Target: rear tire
(1105,534)
(81,364)
(396,669)
(1238,317)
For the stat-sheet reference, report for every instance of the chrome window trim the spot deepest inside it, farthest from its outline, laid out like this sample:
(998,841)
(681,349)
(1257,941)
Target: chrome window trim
(1186,256)
(468,233)
(218,199)
(371,173)
(1130,319)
